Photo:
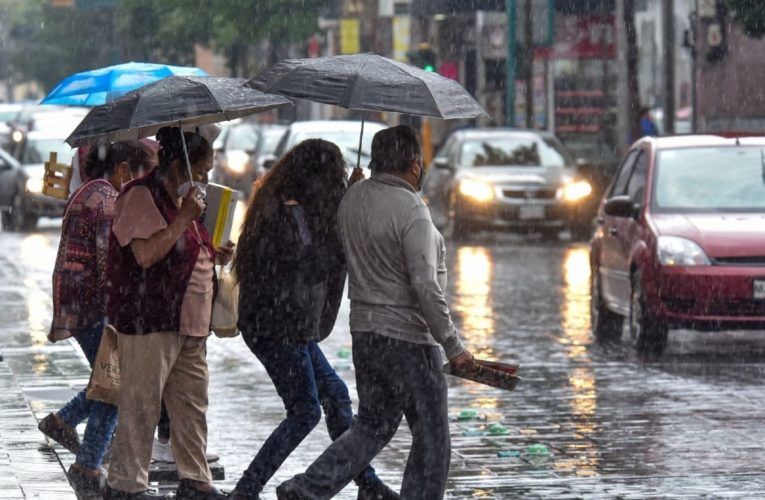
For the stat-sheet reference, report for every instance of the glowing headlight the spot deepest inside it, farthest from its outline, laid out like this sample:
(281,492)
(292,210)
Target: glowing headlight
(676,251)
(577,190)
(34,185)
(237,161)
(477,190)
(17,135)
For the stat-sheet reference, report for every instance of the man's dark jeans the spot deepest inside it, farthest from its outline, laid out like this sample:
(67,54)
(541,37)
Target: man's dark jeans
(393,379)
(307,383)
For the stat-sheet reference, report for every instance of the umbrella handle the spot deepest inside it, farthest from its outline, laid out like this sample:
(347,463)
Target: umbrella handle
(186,155)
(361,136)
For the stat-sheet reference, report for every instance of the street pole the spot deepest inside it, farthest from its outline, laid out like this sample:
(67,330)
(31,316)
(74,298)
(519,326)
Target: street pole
(510,64)
(669,66)
(694,68)
(528,42)
(622,90)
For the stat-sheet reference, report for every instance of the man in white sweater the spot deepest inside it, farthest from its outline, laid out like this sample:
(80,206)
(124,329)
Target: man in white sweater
(399,318)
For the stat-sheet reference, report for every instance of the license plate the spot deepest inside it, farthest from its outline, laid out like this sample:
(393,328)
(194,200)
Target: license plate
(527,212)
(759,289)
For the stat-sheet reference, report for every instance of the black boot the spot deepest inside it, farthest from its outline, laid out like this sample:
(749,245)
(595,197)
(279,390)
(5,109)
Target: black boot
(186,491)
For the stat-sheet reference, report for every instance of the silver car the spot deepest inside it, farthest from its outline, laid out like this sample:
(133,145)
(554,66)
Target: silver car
(511,179)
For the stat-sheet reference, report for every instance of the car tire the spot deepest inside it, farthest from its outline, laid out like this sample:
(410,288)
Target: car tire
(462,228)
(651,336)
(19,219)
(606,324)
(580,231)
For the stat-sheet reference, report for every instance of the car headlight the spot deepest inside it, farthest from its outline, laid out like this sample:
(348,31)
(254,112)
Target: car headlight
(477,190)
(237,161)
(34,185)
(676,251)
(576,190)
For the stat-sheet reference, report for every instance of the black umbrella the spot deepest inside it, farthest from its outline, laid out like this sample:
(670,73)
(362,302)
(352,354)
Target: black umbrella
(183,101)
(369,82)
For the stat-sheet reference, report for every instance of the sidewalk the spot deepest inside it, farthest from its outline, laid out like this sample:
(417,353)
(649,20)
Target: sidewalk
(28,469)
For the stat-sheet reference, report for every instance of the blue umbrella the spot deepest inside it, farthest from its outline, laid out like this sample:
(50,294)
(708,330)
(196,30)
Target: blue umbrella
(99,86)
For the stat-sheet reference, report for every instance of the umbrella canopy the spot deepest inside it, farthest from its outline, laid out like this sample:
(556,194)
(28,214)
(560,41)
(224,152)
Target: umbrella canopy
(176,100)
(99,86)
(369,82)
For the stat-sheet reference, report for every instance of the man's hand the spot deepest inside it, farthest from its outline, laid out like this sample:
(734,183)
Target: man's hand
(462,361)
(356,176)
(224,253)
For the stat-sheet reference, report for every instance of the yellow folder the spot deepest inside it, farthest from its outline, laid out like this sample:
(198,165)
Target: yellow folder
(219,214)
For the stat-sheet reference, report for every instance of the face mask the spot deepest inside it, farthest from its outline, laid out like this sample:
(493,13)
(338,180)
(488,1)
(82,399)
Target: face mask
(184,188)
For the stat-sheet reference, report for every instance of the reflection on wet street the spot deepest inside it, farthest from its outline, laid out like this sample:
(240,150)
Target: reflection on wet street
(587,421)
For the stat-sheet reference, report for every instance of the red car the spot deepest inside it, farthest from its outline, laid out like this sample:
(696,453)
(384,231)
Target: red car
(680,240)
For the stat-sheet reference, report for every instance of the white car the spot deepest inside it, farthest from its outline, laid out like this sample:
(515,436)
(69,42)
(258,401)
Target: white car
(344,133)
(21,186)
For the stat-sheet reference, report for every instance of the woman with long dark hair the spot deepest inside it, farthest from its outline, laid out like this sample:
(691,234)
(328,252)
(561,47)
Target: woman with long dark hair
(291,274)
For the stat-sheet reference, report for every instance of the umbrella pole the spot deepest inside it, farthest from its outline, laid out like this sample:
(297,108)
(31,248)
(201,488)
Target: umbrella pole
(186,155)
(361,136)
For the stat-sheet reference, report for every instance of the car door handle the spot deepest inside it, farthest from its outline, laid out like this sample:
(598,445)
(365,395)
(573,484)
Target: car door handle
(600,220)
(613,231)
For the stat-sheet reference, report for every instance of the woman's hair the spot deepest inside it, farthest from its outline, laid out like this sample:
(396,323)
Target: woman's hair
(171,147)
(103,159)
(312,173)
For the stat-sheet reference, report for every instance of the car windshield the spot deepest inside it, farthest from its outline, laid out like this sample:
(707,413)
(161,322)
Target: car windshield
(513,152)
(347,141)
(269,140)
(243,138)
(7,116)
(38,151)
(725,179)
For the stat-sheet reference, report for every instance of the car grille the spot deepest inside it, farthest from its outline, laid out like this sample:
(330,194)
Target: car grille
(681,306)
(737,307)
(529,194)
(740,261)
(718,307)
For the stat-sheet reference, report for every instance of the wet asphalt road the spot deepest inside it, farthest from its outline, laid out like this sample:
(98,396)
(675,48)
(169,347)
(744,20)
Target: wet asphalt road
(587,421)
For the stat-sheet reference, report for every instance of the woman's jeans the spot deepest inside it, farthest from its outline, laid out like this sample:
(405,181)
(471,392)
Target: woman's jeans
(306,382)
(102,417)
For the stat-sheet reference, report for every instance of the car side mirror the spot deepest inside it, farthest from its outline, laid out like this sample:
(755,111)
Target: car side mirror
(441,162)
(621,206)
(269,161)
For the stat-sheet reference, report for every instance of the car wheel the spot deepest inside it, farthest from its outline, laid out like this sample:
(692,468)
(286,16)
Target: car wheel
(462,228)
(580,230)
(19,218)
(651,336)
(606,324)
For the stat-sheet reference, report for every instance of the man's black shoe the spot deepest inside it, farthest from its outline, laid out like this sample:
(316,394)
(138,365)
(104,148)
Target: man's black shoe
(112,494)
(186,491)
(286,491)
(376,491)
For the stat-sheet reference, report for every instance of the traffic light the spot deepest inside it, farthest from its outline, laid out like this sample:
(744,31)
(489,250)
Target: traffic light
(423,58)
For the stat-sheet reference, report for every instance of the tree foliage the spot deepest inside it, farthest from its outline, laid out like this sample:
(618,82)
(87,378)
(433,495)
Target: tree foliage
(47,43)
(750,14)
